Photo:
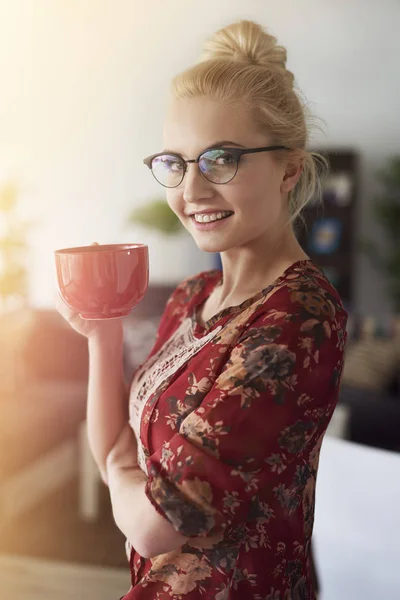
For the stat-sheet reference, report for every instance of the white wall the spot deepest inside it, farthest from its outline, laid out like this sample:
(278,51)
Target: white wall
(83,85)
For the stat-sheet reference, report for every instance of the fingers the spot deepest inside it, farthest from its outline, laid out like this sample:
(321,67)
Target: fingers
(64,310)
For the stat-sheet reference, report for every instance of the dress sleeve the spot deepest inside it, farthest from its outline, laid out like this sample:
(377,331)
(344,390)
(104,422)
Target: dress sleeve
(269,405)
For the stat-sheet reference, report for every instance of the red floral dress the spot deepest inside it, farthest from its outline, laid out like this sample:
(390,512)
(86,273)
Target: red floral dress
(229,419)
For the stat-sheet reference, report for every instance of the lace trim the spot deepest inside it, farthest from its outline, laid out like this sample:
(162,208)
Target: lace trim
(128,549)
(159,368)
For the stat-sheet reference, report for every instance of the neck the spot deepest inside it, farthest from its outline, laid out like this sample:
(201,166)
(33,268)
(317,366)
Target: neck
(249,269)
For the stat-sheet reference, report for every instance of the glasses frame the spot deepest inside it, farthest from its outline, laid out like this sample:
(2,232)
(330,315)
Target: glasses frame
(236,152)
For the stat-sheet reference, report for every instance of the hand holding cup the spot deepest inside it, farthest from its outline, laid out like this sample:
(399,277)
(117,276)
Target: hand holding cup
(100,284)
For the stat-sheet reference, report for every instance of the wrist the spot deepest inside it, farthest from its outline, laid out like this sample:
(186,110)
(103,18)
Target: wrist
(107,336)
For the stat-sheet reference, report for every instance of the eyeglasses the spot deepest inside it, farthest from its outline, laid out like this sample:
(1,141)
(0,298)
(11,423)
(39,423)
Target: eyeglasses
(217,165)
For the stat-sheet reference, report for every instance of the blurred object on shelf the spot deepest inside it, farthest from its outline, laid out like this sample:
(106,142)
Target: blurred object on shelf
(327,234)
(156,214)
(371,381)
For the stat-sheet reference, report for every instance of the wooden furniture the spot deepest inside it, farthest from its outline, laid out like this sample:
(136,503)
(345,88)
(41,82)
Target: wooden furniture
(38,444)
(41,408)
(23,578)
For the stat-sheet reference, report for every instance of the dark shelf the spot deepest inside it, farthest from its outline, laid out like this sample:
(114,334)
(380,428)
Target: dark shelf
(328,235)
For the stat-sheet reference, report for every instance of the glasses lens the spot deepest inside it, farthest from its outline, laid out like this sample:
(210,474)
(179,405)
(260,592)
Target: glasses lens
(218,166)
(168,169)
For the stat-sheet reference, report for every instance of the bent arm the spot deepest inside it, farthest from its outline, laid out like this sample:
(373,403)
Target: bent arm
(107,403)
(147,530)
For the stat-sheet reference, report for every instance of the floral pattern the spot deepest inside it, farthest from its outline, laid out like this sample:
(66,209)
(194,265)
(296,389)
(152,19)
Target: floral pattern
(231,440)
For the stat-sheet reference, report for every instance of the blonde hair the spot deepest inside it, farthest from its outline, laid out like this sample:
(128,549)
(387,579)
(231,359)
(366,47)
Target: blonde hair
(243,66)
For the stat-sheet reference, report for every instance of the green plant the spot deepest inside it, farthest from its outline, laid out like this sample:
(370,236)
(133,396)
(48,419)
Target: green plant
(157,215)
(386,209)
(13,246)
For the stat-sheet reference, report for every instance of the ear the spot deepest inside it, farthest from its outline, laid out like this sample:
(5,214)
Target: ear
(293,170)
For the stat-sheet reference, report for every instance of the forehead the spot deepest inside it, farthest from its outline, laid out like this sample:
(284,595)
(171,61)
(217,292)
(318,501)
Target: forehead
(191,125)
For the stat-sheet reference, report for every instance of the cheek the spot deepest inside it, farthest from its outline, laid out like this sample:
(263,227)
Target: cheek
(267,181)
(261,200)
(174,201)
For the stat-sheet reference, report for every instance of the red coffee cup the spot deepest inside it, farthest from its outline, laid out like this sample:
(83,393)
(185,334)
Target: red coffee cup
(103,281)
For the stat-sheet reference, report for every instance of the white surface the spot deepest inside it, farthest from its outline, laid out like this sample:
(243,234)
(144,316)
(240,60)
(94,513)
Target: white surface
(357,522)
(83,89)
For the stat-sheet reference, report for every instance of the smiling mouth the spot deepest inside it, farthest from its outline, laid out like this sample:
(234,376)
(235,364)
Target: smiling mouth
(206,220)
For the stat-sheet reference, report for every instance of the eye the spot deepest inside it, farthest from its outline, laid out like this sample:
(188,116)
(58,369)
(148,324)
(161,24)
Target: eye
(219,157)
(175,165)
(225,158)
(168,162)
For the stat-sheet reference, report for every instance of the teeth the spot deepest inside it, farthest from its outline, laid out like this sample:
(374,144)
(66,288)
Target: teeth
(211,217)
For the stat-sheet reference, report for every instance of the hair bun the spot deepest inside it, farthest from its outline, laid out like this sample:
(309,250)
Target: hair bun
(247,42)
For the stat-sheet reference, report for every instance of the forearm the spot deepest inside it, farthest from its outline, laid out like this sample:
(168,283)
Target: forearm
(107,404)
(126,488)
(149,532)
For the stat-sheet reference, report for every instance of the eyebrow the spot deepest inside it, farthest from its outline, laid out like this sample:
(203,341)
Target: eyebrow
(215,145)
(224,143)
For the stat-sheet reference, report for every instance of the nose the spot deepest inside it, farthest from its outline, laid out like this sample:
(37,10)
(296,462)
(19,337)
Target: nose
(195,185)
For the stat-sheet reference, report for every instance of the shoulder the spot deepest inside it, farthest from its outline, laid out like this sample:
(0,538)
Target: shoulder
(308,286)
(192,285)
(304,312)
(295,341)
(302,295)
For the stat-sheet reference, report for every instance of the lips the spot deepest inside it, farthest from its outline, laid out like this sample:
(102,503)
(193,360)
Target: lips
(226,216)
(209,212)
(210,225)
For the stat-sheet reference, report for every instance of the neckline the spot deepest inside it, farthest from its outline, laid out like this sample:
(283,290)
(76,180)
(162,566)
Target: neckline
(216,279)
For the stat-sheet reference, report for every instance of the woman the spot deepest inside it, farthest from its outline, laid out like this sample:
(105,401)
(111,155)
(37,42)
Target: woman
(212,471)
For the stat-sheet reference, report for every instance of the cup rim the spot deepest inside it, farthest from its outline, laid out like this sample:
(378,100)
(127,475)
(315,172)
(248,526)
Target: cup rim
(99,248)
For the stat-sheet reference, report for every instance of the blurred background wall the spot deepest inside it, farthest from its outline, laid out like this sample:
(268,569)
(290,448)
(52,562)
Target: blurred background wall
(83,86)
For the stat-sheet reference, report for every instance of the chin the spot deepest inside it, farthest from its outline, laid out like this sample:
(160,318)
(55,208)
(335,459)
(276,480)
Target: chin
(210,246)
